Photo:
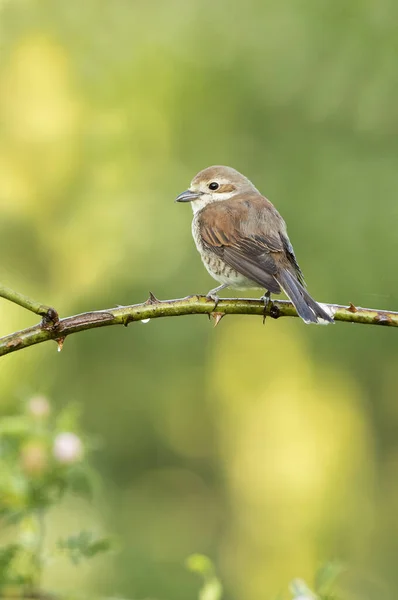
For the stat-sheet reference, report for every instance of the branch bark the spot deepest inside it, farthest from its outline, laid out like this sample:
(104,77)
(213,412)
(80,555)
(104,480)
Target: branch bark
(48,313)
(154,309)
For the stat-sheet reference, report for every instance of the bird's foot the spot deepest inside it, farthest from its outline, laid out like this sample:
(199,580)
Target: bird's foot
(212,295)
(215,298)
(266,298)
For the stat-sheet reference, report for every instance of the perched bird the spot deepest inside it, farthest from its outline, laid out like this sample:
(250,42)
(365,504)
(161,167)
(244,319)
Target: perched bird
(243,242)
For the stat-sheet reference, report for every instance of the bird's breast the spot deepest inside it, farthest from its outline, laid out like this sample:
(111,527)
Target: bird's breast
(215,265)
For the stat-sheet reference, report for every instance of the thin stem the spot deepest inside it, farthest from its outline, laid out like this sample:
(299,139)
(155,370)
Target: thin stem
(43,595)
(39,557)
(154,309)
(47,312)
(21,594)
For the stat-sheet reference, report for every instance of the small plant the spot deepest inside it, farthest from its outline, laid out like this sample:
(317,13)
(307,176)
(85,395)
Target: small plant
(212,588)
(324,584)
(325,580)
(43,457)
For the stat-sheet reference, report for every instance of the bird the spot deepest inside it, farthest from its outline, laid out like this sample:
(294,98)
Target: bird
(243,241)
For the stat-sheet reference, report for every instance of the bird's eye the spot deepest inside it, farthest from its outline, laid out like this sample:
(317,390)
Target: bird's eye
(213,185)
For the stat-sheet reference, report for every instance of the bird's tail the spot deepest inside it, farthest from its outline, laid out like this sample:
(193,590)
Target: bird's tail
(307,308)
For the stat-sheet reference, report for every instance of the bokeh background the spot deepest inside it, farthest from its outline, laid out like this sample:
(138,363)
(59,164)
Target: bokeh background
(269,448)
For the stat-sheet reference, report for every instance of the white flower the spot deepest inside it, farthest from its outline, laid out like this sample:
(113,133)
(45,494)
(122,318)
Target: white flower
(68,448)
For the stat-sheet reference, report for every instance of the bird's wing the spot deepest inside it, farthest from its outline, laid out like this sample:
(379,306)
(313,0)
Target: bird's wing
(249,235)
(292,258)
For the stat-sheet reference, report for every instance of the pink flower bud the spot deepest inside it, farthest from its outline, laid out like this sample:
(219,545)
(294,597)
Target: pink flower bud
(68,448)
(34,458)
(39,407)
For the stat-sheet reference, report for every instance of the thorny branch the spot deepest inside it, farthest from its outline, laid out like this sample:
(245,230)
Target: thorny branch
(153,308)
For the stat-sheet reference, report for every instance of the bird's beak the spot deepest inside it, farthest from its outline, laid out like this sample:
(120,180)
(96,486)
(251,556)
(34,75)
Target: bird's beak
(188,196)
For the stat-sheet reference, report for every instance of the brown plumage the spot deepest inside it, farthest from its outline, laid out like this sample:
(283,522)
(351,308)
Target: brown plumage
(243,240)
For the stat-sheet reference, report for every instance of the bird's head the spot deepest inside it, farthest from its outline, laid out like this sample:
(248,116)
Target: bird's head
(215,184)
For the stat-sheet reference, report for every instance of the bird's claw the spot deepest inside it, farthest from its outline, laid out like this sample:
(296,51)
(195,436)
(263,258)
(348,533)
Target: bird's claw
(266,298)
(215,299)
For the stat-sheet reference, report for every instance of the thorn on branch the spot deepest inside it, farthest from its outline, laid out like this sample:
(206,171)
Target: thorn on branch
(217,316)
(383,319)
(352,308)
(152,299)
(60,342)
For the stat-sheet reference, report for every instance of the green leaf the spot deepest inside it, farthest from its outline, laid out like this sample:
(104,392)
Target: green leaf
(80,480)
(11,516)
(326,577)
(7,555)
(14,426)
(212,587)
(199,563)
(68,419)
(84,545)
(12,557)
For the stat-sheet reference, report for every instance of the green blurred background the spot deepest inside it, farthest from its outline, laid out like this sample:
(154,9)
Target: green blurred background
(270,449)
